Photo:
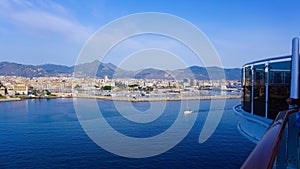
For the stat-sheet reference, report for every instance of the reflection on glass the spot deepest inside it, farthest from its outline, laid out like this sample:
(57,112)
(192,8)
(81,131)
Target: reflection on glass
(276,75)
(247,87)
(259,90)
(279,87)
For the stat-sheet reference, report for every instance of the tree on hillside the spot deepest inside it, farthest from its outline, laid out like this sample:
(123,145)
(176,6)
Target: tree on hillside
(107,88)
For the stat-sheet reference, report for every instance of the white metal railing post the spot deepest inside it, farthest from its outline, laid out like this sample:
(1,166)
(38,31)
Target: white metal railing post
(294,93)
(292,144)
(267,89)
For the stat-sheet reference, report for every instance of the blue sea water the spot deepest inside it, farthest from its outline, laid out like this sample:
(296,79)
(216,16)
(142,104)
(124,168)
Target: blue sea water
(45,133)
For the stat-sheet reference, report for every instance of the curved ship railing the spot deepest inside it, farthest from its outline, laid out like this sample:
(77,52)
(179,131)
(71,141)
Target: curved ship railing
(274,146)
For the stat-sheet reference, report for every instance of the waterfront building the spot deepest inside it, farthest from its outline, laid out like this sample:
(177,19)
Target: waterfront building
(10,91)
(21,89)
(105,79)
(2,91)
(186,82)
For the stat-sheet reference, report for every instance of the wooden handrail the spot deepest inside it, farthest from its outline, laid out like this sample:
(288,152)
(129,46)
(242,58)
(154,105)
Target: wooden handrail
(265,152)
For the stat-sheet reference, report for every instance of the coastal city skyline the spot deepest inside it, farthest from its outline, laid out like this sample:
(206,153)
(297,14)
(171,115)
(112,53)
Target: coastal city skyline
(149,84)
(41,32)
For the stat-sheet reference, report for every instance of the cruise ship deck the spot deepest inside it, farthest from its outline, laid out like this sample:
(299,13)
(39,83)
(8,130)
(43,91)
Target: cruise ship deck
(269,108)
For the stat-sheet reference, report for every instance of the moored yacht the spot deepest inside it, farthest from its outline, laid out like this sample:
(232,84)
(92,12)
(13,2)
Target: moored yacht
(187,112)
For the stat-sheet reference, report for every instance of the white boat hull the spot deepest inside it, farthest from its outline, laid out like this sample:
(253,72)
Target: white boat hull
(188,112)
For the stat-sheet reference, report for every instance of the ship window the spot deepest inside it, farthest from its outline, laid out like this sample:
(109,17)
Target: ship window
(280,72)
(280,77)
(277,77)
(247,88)
(259,97)
(271,87)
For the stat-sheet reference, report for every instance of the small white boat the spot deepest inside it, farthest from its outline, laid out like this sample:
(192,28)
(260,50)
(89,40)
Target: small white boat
(186,112)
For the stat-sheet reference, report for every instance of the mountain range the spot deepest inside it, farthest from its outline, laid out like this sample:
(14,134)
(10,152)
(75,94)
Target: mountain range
(112,71)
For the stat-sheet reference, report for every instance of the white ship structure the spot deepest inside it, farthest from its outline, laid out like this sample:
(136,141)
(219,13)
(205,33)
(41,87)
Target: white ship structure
(268,110)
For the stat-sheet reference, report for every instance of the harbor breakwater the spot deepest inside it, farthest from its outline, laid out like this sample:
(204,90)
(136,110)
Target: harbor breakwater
(132,99)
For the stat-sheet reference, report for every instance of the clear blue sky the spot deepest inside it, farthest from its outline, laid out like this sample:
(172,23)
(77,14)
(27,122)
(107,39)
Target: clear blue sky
(39,32)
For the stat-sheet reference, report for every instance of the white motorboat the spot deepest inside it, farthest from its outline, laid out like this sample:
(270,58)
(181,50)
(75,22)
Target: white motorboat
(186,112)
